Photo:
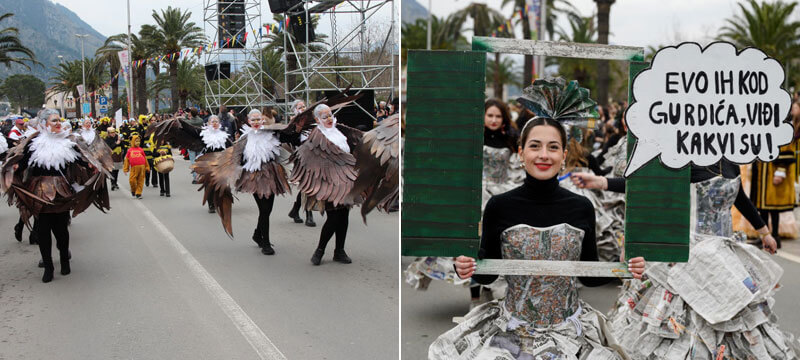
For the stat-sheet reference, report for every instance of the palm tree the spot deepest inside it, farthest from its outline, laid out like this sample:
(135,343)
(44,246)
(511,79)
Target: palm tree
(766,26)
(276,42)
(95,78)
(272,63)
(190,82)
(554,9)
(603,13)
(504,73)
(142,47)
(582,30)
(108,53)
(172,32)
(445,34)
(66,80)
(10,44)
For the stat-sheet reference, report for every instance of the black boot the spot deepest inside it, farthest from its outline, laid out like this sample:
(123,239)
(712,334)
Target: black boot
(316,259)
(33,239)
(48,271)
(65,269)
(310,219)
(211,208)
(341,256)
(266,248)
(18,231)
(296,217)
(257,237)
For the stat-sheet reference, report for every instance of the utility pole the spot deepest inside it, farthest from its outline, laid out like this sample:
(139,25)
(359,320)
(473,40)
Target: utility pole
(129,80)
(429,24)
(83,68)
(61,61)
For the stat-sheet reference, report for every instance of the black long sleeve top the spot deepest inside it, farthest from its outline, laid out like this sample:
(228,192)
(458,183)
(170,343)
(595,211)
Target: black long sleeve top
(703,173)
(538,203)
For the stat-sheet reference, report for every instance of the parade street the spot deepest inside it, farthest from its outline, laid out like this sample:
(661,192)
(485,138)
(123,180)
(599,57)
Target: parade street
(428,314)
(157,278)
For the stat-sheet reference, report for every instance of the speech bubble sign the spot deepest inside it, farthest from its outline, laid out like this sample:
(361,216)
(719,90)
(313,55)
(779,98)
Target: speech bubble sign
(698,105)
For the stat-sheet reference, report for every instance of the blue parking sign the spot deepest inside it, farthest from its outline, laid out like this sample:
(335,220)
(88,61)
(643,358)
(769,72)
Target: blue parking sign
(103,100)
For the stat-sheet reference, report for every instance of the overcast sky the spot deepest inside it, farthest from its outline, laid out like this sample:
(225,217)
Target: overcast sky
(639,22)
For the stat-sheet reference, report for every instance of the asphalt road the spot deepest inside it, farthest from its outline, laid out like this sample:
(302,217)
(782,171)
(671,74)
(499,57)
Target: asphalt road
(428,314)
(158,278)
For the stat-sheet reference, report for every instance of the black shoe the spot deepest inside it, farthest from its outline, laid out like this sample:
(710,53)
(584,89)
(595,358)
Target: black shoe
(139,197)
(41,263)
(167,195)
(133,194)
(341,256)
(257,237)
(18,232)
(65,269)
(296,217)
(266,248)
(33,239)
(48,273)
(195,182)
(310,222)
(316,259)
(211,210)
(161,194)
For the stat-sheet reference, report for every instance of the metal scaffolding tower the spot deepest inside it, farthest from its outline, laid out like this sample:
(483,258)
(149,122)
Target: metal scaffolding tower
(245,85)
(353,55)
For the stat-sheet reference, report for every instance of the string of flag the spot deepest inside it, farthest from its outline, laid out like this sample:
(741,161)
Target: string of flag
(507,26)
(197,51)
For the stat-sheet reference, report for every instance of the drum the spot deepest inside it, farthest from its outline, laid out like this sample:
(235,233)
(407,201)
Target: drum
(164,164)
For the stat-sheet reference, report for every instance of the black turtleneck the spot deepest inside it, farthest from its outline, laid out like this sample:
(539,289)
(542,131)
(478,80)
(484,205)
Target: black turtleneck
(496,139)
(537,203)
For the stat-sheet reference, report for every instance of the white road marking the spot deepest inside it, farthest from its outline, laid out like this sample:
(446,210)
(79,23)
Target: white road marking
(788,256)
(252,333)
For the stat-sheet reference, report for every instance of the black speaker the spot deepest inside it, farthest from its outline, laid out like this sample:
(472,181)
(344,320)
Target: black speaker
(217,71)
(298,28)
(281,6)
(231,24)
(351,115)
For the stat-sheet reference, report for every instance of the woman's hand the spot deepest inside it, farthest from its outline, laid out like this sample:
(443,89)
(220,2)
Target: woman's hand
(777,180)
(769,243)
(589,181)
(465,267)
(636,267)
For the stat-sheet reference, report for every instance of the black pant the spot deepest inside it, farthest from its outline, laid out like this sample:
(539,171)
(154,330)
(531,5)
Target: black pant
(296,206)
(163,182)
(150,176)
(776,220)
(264,210)
(114,176)
(58,225)
(336,223)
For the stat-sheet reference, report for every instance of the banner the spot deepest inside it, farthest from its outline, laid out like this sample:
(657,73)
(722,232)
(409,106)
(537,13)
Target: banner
(118,118)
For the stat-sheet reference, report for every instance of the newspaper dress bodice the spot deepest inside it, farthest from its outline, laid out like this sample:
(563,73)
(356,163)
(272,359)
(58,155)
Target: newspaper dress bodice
(495,164)
(541,300)
(711,206)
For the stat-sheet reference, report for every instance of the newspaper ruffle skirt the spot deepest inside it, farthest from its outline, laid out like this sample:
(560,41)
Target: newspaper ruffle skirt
(489,332)
(719,302)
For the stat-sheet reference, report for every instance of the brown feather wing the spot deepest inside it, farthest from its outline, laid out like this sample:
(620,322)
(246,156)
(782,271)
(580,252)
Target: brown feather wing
(323,171)
(377,163)
(218,171)
(178,133)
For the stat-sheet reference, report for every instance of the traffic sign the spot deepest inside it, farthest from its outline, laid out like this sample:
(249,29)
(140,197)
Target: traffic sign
(103,100)
(103,109)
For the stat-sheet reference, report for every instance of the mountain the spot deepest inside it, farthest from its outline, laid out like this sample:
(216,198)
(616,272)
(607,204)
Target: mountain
(49,30)
(411,11)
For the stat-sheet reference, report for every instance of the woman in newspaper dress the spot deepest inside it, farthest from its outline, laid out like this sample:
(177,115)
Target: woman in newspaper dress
(502,171)
(717,304)
(541,317)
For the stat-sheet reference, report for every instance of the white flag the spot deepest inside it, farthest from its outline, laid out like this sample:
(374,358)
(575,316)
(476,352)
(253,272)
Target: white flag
(118,118)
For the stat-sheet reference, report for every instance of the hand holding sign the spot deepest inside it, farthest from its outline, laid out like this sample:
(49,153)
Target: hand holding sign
(696,105)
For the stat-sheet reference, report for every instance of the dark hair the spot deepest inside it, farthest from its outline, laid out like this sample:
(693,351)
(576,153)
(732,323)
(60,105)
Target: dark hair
(507,129)
(193,112)
(543,121)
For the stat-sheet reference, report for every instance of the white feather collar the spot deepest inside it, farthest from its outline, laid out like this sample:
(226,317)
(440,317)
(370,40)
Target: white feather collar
(262,146)
(3,144)
(213,138)
(52,151)
(88,135)
(335,136)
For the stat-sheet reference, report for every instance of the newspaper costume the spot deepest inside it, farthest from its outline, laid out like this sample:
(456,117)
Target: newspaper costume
(721,297)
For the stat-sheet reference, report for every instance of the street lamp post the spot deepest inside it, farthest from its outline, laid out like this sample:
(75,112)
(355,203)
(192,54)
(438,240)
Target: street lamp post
(83,66)
(429,24)
(129,80)
(61,61)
